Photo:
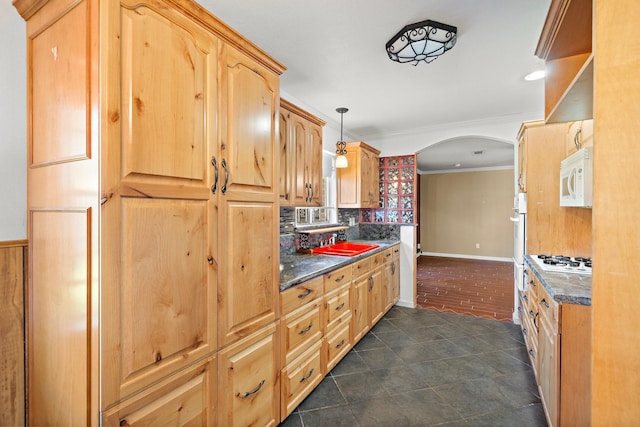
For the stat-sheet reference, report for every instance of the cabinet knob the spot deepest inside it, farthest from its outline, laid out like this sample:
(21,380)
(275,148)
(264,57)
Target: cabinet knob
(210,260)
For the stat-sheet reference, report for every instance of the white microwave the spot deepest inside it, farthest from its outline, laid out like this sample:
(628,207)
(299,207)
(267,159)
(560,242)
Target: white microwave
(576,179)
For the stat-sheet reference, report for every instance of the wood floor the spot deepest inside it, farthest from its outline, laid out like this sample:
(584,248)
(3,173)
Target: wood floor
(466,286)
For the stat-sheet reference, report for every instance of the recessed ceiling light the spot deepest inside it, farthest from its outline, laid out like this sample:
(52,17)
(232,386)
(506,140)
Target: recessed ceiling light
(536,75)
(457,165)
(479,152)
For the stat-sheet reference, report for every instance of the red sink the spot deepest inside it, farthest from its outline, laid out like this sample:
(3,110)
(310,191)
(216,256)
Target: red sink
(344,249)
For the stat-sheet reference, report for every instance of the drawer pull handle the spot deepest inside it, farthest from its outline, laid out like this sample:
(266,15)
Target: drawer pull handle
(306,292)
(226,176)
(214,163)
(393,268)
(338,279)
(340,307)
(306,377)
(340,344)
(254,391)
(388,255)
(370,283)
(544,302)
(305,330)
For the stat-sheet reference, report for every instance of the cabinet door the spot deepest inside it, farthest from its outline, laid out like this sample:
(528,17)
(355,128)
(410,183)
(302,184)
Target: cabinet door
(248,232)
(377,296)
(286,159)
(302,171)
(366,195)
(248,381)
(360,301)
(549,374)
(314,159)
(187,399)
(158,215)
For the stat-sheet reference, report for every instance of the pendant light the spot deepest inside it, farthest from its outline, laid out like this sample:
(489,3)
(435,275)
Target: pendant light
(341,146)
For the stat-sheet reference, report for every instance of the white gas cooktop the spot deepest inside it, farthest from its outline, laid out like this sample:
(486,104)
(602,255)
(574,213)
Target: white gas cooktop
(563,264)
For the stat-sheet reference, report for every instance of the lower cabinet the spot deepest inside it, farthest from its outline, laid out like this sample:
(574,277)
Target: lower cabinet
(187,398)
(248,380)
(300,377)
(558,339)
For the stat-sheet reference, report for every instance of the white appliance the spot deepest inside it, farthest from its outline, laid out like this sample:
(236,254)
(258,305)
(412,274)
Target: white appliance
(563,264)
(576,179)
(519,219)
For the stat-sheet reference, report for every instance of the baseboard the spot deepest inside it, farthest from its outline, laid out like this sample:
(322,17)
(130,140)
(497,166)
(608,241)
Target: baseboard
(516,318)
(408,304)
(478,257)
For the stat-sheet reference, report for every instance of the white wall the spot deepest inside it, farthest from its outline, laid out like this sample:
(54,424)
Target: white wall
(13,101)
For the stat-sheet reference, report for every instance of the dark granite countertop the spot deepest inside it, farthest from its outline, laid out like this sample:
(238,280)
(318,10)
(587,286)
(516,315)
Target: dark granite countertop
(564,288)
(299,268)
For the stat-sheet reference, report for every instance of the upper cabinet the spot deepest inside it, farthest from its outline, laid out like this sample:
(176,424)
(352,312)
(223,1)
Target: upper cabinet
(300,157)
(566,46)
(358,184)
(153,205)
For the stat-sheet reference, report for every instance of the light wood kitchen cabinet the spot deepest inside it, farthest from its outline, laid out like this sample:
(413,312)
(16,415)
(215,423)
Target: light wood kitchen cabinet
(248,381)
(549,356)
(302,328)
(551,229)
(358,184)
(580,134)
(301,151)
(566,46)
(360,298)
(558,339)
(140,199)
(392,277)
(248,211)
(187,398)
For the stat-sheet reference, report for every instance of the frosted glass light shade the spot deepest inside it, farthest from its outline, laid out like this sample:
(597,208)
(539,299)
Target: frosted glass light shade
(341,162)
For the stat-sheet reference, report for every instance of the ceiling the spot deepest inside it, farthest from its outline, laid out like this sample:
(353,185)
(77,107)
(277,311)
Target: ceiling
(335,56)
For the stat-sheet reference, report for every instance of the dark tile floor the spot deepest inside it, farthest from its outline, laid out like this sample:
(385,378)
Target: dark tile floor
(422,367)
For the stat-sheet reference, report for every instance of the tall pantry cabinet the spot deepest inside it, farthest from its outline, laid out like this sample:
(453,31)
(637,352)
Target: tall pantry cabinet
(149,190)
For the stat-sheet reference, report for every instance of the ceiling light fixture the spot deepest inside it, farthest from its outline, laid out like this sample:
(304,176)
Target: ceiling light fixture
(422,41)
(341,146)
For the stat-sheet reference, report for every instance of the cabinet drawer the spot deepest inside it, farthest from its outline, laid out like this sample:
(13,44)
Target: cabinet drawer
(337,304)
(336,345)
(549,309)
(396,252)
(249,381)
(301,294)
(298,328)
(187,397)
(337,278)
(380,258)
(300,377)
(362,267)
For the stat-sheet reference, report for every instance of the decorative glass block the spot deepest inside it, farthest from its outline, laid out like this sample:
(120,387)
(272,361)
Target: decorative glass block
(392,216)
(381,188)
(392,161)
(407,216)
(392,188)
(408,160)
(407,188)
(366,215)
(382,202)
(407,202)
(392,202)
(381,174)
(407,174)
(379,215)
(393,174)
(381,161)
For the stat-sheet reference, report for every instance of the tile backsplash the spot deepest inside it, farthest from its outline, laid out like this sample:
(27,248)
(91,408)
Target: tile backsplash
(290,240)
